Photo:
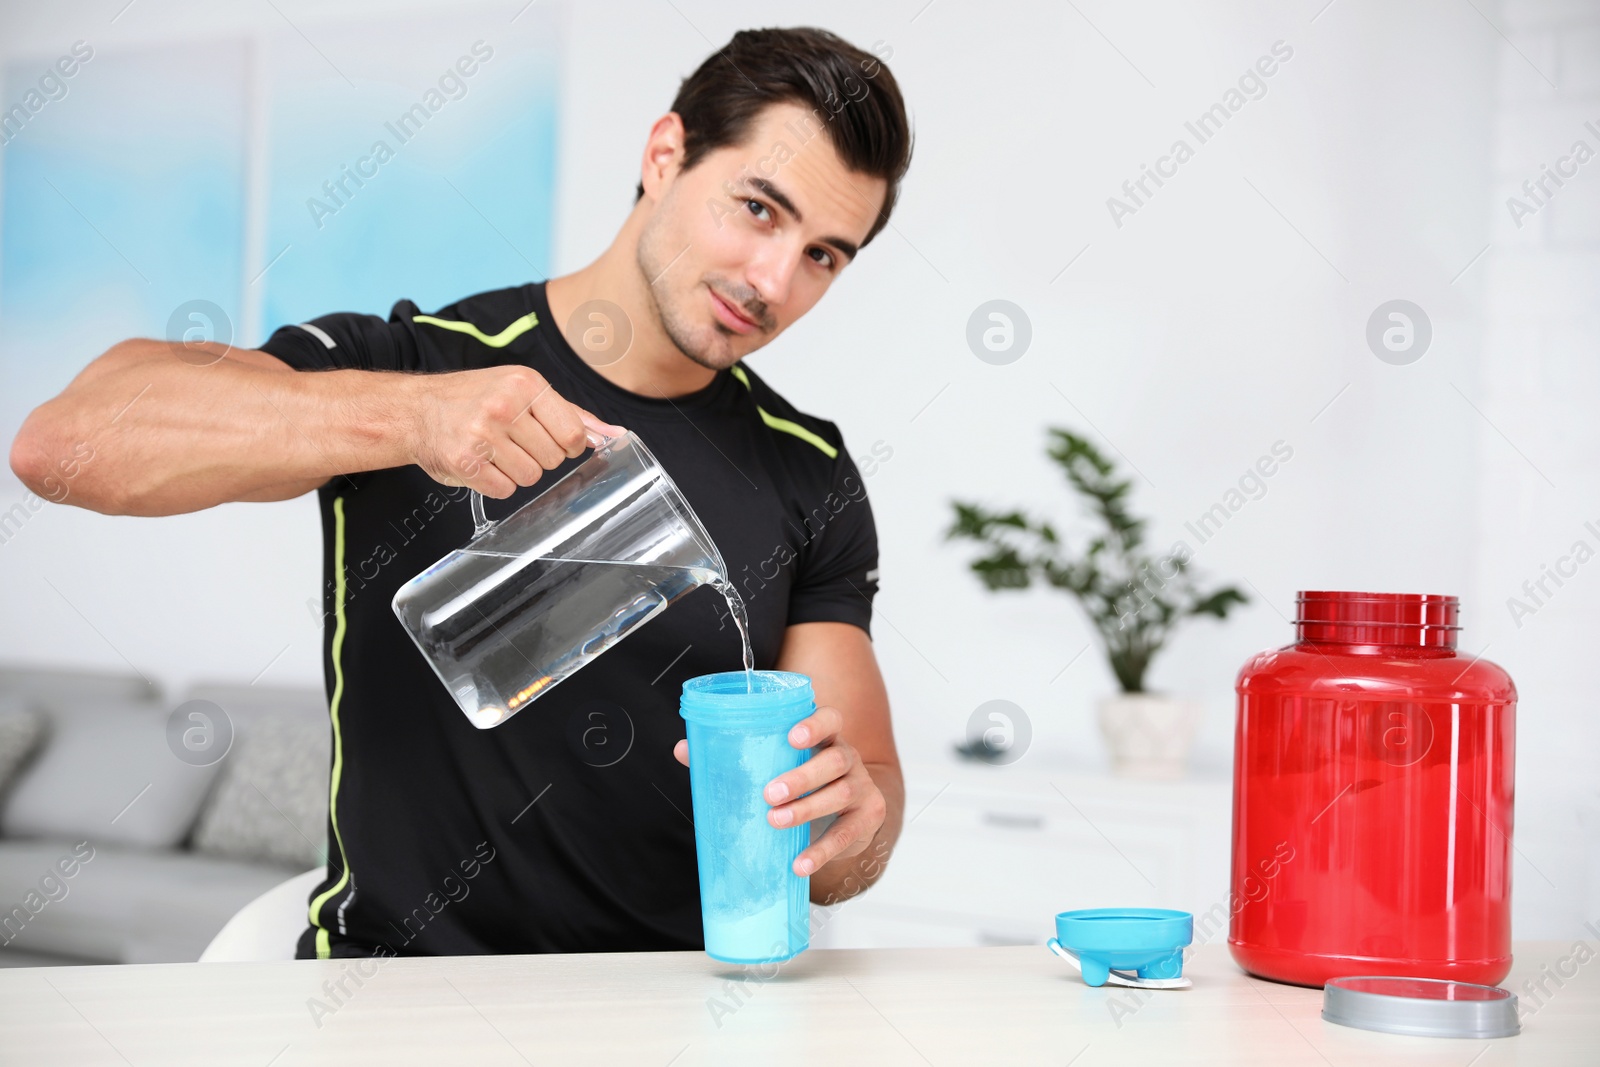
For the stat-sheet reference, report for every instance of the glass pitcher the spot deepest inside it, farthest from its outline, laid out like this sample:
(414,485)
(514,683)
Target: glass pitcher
(538,594)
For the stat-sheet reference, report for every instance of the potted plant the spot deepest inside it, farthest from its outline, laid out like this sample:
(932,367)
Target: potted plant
(1134,598)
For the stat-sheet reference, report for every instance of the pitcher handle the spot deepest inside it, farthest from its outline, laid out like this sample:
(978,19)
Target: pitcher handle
(481,522)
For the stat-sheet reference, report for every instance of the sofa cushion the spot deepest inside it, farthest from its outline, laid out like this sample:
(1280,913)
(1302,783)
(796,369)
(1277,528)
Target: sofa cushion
(271,800)
(108,776)
(21,729)
(270,803)
(120,905)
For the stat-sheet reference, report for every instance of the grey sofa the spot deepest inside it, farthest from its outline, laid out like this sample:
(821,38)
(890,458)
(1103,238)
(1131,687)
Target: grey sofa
(123,837)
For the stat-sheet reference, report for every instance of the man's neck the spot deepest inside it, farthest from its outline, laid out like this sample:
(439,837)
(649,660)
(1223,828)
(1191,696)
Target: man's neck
(653,366)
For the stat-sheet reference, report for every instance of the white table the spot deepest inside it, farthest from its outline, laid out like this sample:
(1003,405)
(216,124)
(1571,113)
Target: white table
(887,1006)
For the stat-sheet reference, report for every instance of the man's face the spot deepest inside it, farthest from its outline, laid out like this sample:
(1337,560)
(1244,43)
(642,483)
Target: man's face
(745,242)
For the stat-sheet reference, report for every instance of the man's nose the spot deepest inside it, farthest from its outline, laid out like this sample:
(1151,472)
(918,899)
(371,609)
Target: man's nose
(771,274)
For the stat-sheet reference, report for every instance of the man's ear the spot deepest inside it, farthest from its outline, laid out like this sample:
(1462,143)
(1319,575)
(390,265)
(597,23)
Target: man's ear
(663,155)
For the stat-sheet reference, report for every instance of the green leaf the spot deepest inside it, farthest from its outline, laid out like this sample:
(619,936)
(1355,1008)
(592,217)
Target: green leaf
(1218,603)
(1003,569)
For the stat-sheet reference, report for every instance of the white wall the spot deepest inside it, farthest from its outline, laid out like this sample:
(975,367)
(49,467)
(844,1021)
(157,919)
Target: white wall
(1222,317)
(1538,488)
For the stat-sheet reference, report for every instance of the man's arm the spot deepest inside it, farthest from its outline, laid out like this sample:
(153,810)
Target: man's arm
(165,435)
(854,772)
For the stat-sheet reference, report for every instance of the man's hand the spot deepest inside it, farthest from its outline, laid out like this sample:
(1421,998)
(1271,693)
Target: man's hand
(497,428)
(833,781)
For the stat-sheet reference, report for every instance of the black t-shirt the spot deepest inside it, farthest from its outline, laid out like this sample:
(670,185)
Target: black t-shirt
(568,828)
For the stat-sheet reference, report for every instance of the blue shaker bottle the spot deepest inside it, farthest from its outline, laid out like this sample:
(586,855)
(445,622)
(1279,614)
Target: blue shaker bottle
(753,907)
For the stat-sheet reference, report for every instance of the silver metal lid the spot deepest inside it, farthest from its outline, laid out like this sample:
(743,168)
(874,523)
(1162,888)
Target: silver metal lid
(1422,1007)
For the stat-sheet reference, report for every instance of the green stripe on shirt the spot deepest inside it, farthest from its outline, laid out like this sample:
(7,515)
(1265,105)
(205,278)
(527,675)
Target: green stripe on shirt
(323,947)
(784,425)
(499,340)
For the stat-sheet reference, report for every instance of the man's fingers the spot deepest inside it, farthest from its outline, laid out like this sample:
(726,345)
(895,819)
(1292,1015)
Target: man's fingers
(597,425)
(816,729)
(823,767)
(681,751)
(490,481)
(480,469)
(533,439)
(515,463)
(562,421)
(835,796)
(848,835)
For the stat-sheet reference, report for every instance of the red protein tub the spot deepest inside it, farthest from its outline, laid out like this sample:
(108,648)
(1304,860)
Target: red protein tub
(1372,801)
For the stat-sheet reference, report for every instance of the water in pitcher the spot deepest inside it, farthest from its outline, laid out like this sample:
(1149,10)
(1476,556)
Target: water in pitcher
(552,619)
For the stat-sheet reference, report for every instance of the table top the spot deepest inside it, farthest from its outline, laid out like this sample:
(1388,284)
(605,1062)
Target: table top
(878,1006)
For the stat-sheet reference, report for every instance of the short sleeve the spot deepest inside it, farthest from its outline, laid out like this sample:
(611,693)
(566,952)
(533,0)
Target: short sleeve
(839,563)
(348,341)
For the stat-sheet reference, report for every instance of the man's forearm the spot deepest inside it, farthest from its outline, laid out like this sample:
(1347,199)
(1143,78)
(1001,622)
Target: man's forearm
(848,876)
(148,433)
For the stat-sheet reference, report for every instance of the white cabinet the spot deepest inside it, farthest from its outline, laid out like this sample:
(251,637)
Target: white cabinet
(989,855)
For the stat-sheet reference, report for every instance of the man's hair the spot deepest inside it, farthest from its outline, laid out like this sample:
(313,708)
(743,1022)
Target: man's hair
(850,93)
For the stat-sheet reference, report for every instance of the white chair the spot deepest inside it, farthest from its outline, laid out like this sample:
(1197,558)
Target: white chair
(267,927)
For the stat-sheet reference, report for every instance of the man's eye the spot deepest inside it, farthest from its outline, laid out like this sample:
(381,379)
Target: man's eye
(827,261)
(757,208)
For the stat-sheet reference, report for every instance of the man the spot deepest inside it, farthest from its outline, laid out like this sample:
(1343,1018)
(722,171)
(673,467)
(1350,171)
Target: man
(567,828)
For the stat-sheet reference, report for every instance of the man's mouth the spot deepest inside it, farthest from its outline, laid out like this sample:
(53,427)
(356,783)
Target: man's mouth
(730,316)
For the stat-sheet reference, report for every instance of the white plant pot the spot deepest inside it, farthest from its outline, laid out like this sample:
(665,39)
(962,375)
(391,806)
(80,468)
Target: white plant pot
(1149,734)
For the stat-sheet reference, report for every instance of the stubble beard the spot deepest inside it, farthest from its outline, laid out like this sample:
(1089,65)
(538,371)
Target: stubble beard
(653,264)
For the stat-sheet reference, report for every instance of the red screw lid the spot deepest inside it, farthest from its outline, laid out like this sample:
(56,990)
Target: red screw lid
(1417,620)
